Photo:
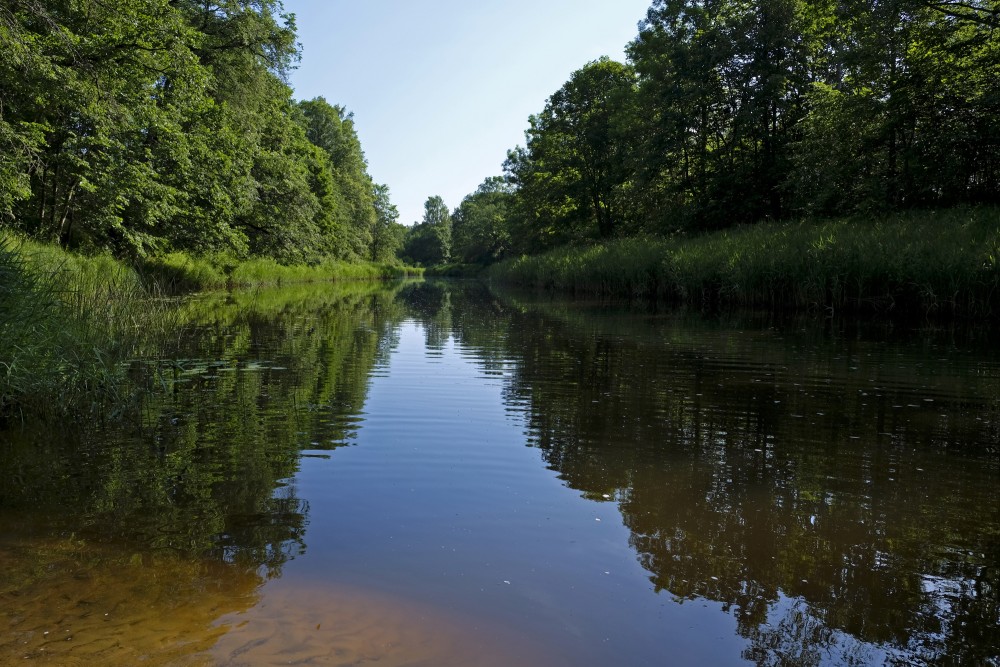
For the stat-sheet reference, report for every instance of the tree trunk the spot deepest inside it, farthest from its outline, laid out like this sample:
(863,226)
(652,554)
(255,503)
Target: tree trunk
(65,224)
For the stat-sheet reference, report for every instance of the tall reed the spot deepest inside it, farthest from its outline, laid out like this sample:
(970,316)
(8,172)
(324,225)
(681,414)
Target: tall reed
(177,272)
(68,326)
(945,262)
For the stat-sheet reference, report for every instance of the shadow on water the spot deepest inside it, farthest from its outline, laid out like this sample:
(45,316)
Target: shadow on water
(835,489)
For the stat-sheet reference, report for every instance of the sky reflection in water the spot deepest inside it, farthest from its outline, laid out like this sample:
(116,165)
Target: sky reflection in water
(331,475)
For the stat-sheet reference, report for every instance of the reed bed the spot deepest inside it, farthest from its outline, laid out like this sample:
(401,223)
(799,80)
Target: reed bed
(917,263)
(71,325)
(68,324)
(178,273)
(269,272)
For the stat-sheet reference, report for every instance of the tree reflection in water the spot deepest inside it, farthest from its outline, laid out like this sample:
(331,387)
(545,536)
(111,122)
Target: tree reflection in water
(177,517)
(837,492)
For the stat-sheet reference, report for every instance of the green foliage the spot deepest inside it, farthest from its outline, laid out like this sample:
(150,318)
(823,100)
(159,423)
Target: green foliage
(354,218)
(428,243)
(733,113)
(480,230)
(266,271)
(573,177)
(631,267)
(67,325)
(179,272)
(919,263)
(70,324)
(150,126)
(388,234)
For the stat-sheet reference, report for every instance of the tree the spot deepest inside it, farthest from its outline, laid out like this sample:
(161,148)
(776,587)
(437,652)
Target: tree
(429,242)
(148,125)
(575,168)
(387,237)
(906,118)
(721,88)
(480,223)
(332,129)
(437,218)
(145,119)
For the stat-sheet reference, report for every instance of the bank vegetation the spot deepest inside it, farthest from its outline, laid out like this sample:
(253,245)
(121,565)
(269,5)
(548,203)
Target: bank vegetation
(939,263)
(71,325)
(785,153)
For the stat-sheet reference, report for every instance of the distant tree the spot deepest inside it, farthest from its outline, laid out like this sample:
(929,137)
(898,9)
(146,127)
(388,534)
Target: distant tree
(573,176)
(480,232)
(387,237)
(438,218)
(429,242)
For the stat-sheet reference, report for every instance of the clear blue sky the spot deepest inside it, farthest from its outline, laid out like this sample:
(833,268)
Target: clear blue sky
(441,89)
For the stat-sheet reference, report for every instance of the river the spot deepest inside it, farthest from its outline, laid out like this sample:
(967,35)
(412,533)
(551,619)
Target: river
(438,474)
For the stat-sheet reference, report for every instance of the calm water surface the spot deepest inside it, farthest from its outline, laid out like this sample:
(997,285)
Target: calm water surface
(432,474)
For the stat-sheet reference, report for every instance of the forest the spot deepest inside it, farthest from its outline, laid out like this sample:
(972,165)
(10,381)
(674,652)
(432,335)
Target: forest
(148,126)
(732,113)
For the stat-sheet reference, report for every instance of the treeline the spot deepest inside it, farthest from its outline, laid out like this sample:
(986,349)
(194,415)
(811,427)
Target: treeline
(729,113)
(145,126)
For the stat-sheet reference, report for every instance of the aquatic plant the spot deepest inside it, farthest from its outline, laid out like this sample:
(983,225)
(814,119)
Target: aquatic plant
(916,262)
(63,332)
(178,272)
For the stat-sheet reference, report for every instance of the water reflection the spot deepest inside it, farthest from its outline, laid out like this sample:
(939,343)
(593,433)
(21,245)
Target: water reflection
(198,495)
(833,493)
(838,494)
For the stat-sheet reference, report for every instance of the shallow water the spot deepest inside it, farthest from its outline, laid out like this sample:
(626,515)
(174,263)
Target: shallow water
(432,474)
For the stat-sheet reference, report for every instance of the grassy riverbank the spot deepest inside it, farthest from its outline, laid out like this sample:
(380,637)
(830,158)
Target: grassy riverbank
(916,263)
(66,322)
(180,272)
(69,323)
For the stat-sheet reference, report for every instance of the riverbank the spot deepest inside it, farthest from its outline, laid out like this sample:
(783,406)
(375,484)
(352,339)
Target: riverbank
(69,322)
(943,263)
(180,272)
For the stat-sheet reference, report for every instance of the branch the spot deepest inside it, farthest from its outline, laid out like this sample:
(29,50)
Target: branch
(968,12)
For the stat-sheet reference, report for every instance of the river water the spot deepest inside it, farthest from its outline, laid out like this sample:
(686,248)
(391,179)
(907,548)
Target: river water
(437,474)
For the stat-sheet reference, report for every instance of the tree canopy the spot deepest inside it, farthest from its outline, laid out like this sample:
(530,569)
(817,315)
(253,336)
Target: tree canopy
(144,126)
(429,242)
(148,125)
(731,113)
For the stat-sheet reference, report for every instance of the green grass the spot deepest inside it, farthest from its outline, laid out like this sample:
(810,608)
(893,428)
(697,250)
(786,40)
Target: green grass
(269,272)
(70,324)
(67,325)
(455,270)
(945,262)
(177,273)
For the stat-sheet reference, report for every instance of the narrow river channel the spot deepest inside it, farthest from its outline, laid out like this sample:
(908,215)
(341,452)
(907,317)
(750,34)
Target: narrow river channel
(436,474)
